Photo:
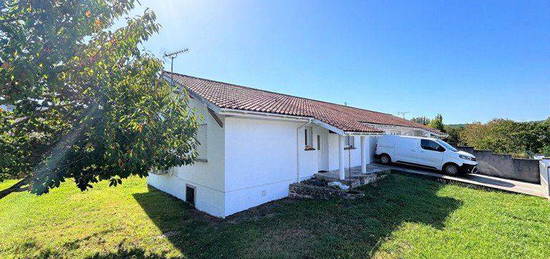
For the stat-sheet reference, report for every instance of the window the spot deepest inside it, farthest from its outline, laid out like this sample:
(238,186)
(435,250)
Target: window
(318,142)
(202,139)
(350,142)
(431,145)
(309,138)
(447,145)
(190,194)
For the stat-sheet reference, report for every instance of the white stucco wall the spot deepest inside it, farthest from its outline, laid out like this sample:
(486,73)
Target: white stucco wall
(206,176)
(308,159)
(371,142)
(252,161)
(351,154)
(260,161)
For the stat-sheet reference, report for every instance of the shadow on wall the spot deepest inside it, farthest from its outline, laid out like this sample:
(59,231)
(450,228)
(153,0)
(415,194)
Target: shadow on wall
(299,228)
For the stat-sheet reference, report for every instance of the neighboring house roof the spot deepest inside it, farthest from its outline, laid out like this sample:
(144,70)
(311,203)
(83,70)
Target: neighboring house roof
(346,118)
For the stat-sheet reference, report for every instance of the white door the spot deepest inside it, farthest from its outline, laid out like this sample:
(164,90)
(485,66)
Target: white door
(321,141)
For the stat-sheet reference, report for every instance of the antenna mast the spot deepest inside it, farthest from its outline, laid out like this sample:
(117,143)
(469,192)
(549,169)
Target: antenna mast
(402,114)
(172,56)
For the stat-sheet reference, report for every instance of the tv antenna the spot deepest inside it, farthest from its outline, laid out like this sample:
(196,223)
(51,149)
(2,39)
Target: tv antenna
(172,56)
(402,114)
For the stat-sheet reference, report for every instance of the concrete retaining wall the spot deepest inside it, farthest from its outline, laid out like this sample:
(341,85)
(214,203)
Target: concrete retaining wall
(505,166)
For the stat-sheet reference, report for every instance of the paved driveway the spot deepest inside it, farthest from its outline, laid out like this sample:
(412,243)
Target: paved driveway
(475,179)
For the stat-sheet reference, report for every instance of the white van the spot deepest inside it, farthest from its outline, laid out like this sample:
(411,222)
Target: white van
(427,152)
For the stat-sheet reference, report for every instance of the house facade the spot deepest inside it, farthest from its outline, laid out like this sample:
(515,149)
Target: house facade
(255,143)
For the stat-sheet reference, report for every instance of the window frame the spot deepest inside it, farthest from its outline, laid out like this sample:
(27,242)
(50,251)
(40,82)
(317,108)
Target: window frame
(349,142)
(192,202)
(308,138)
(424,147)
(318,142)
(203,146)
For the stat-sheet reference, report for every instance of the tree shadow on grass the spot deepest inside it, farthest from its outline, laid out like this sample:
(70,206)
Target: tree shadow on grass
(135,253)
(302,228)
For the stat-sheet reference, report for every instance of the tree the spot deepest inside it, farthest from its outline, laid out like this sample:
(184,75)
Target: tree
(422,120)
(437,123)
(509,137)
(88,102)
(454,135)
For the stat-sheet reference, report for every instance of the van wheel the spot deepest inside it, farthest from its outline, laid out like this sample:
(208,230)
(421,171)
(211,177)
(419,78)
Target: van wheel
(385,159)
(450,169)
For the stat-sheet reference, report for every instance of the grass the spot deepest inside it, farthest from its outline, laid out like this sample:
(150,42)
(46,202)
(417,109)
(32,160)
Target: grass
(401,217)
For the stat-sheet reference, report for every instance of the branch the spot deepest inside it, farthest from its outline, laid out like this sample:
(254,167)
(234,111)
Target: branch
(17,187)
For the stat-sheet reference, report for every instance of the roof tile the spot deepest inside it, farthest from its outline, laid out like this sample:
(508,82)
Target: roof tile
(346,118)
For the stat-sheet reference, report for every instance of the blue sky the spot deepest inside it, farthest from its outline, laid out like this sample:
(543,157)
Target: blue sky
(468,60)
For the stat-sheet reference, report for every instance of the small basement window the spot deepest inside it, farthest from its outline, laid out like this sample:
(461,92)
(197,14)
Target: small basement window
(190,194)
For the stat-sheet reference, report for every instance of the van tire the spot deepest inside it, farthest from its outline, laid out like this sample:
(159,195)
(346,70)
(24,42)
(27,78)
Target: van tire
(451,169)
(385,159)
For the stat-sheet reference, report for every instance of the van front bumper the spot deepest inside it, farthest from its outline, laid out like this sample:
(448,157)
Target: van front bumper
(469,169)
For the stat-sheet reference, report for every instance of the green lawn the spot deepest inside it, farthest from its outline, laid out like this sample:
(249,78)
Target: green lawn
(401,217)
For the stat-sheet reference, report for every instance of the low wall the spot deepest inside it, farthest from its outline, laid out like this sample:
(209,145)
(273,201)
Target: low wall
(544,165)
(505,166)
(307,191)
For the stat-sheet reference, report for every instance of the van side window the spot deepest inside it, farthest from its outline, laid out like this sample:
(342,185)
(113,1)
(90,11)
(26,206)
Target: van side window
(430,145)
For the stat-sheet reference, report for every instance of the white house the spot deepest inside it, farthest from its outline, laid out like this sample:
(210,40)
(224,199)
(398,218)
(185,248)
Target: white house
(255,143)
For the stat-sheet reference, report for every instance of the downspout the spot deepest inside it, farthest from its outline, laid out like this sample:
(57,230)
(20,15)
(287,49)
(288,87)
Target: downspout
(298,148)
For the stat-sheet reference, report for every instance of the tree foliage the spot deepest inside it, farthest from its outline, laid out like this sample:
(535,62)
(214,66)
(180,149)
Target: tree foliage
(453,135)
(437,123)
(509,137)
(89,103)
(422,120)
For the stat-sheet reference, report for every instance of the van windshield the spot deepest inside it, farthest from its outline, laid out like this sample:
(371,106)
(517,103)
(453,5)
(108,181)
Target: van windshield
(446,145)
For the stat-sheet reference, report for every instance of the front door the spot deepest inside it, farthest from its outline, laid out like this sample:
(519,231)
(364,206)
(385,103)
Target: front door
(321,140)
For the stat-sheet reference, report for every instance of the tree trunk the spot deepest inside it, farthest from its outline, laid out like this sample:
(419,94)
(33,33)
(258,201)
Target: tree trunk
(14,188)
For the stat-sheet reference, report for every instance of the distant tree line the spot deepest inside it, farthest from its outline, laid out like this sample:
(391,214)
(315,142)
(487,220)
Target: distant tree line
(509,137)
(436,123)
(503,136)
(422,120)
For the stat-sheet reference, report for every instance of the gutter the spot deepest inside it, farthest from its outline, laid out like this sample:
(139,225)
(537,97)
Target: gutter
(258,115)
(353,133)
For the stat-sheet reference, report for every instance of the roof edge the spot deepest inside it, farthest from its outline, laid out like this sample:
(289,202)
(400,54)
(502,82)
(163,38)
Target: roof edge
(272,92)
(168,76)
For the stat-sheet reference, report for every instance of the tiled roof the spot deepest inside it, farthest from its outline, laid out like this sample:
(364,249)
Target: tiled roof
(346,118)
